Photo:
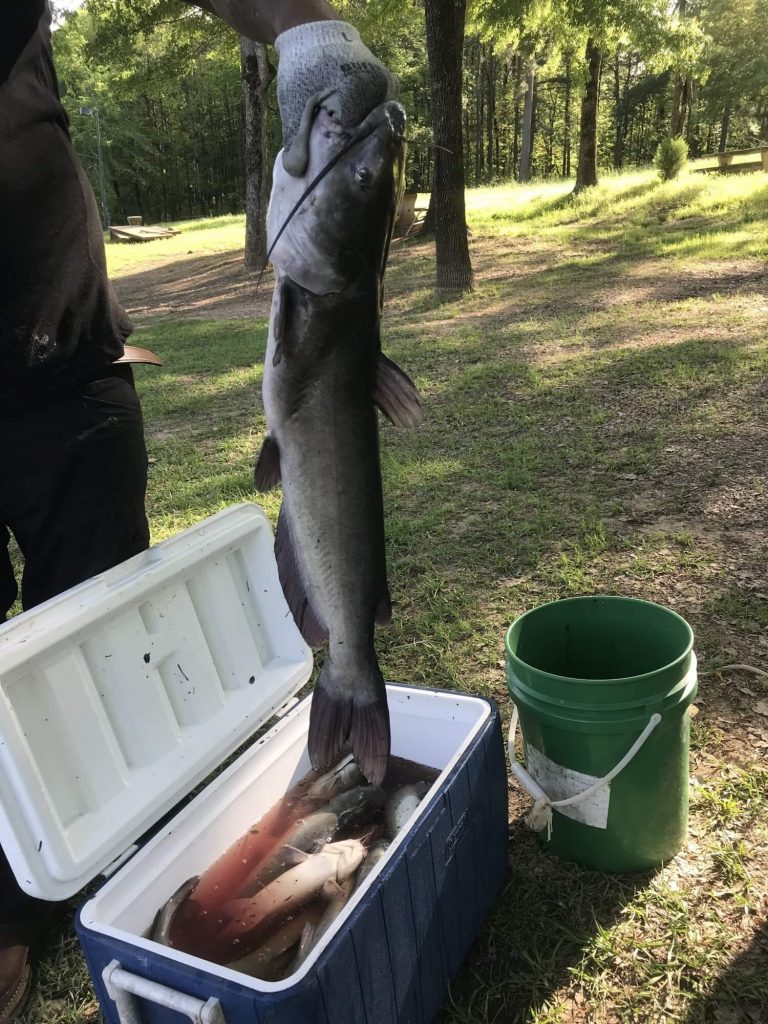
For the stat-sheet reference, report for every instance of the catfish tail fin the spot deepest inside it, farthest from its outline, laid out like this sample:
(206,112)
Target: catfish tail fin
(358,718)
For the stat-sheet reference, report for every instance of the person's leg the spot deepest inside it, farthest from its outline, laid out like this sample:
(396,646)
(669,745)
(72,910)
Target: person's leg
(81,510)
(75,480)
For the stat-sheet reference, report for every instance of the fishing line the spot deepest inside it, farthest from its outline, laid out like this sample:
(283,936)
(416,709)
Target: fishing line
(357,136)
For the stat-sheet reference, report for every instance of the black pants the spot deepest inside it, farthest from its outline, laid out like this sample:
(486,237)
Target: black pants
(73,477)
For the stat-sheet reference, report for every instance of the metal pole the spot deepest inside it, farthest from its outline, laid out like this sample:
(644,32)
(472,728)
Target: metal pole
(104,207)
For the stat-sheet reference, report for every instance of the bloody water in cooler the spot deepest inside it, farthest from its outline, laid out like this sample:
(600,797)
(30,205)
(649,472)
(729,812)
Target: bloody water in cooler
(201,916)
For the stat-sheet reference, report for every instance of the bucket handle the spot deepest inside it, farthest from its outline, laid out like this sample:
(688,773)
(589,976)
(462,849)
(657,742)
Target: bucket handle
(540,815)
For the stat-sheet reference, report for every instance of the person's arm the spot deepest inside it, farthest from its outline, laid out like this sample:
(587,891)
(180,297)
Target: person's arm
(264,20)
(323,62)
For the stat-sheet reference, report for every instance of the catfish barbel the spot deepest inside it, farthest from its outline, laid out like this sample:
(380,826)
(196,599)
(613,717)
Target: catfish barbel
(324,376)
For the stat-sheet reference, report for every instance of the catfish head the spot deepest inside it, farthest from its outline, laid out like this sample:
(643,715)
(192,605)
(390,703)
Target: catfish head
(332,226)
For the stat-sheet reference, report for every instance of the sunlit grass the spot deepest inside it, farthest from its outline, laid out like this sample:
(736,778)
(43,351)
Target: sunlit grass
(625,206)
(201,237)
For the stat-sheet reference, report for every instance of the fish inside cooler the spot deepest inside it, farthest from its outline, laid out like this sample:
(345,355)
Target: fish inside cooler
(432,728)
(264,904)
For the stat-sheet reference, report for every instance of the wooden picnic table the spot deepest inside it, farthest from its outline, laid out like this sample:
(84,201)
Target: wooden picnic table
(139,233)
(725,161)
(409,216)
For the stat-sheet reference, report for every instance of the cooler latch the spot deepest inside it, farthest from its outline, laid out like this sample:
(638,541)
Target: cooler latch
(122,986)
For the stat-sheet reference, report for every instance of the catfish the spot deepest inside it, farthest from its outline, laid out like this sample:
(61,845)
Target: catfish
(324,378)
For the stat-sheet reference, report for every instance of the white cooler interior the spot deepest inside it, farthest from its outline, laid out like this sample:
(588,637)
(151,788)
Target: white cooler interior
(430,727)
(119,696)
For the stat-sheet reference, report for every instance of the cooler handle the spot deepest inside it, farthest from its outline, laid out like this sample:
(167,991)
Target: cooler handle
(122,986)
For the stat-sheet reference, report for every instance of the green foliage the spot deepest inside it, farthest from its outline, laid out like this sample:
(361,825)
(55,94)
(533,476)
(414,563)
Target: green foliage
(734,70)
(671,157)
(166,80)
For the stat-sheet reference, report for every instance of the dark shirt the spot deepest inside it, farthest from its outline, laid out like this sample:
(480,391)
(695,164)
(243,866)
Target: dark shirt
(60,322)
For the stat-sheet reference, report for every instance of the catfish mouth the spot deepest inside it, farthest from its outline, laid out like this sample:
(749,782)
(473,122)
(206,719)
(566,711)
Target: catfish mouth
(388,120)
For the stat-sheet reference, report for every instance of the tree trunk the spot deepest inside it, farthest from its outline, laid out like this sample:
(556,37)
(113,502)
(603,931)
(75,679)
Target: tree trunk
(567,120)
(681,101)
(468,130)
(528,128)
(479,98)
(552,111)
(445,37)
(516,139)
(490,114)
(429,219)
(586,171)
(256,74)
(725,124)
(617,140)
(622,112)
(681,96)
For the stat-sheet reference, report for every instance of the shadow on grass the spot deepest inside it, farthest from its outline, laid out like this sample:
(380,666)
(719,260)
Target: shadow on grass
(549,478)
(740,993)
(549,912)
(201,286)
(605,241)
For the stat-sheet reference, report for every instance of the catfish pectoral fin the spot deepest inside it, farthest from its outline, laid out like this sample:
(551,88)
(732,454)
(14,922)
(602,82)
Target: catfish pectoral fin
(396,395)
(359,716)
(332,890)
(310,625)
(266,472)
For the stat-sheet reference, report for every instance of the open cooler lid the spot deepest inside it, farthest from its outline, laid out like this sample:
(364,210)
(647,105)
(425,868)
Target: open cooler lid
(119,696)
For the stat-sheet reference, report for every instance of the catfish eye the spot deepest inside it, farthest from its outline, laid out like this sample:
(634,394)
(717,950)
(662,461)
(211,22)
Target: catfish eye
(363,175)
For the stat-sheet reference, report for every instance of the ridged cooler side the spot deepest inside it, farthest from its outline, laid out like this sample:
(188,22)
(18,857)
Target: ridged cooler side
(400,948)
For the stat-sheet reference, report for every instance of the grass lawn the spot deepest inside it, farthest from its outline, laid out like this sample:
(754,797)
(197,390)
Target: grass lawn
(595,422)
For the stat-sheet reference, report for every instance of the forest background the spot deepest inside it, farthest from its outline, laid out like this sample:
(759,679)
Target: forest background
(169,84)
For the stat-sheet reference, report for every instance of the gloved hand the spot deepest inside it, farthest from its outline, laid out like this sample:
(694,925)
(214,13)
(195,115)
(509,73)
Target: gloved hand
(325,63)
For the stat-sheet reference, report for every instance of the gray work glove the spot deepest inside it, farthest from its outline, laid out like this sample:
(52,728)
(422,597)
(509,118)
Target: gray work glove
(325,63)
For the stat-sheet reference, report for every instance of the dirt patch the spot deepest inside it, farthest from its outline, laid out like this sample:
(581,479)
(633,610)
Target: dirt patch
(216,287)
(652,281)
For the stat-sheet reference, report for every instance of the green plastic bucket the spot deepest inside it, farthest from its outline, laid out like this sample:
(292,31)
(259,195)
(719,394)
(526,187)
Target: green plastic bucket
(592,678)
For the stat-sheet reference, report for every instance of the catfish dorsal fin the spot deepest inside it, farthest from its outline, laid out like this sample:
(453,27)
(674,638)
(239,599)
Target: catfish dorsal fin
(396,395)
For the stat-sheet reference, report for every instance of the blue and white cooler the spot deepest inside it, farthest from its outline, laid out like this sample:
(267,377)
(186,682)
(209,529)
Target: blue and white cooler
(121,696)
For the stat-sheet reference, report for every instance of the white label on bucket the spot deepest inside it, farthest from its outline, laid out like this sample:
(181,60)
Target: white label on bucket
(559,783)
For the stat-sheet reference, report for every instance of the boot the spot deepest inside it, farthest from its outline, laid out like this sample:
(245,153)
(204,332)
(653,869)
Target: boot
(15,974)
(19,942)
